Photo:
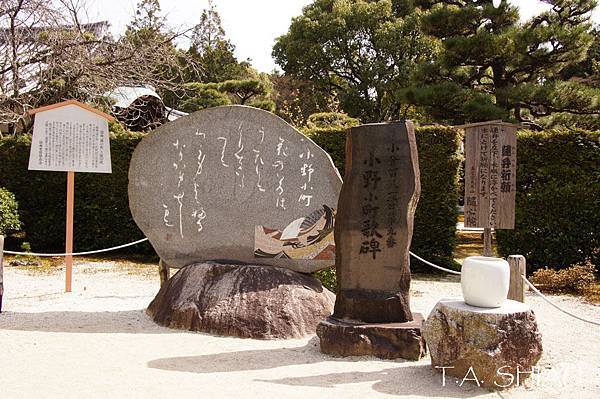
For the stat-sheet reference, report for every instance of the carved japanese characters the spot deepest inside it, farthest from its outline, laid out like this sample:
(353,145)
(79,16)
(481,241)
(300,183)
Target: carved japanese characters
(235,183)
(374,223)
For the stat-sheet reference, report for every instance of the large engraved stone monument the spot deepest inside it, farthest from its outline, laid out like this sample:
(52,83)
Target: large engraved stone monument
(231,186)
(373,233)
(235,183)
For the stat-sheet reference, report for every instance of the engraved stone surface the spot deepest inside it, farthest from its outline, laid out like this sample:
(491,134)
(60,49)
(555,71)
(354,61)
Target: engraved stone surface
(375,223)
(493,345)
(235,183)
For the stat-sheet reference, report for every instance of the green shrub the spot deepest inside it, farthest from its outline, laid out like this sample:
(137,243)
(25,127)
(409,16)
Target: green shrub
(439,162)
(557,218)
(102,218)
(9,215)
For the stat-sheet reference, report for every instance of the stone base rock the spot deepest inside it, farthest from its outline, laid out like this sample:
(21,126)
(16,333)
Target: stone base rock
(495,343)
(383,340)
(247,301)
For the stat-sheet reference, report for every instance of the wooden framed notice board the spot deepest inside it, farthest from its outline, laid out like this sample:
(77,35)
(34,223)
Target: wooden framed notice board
(490,174)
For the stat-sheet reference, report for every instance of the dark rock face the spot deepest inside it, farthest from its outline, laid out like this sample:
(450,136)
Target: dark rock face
(385,341)
(374,223)
(499,344)
(246,301)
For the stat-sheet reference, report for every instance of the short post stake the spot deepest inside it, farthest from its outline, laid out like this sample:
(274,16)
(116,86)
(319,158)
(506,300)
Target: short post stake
(487,241)
(1,270)
(516,290)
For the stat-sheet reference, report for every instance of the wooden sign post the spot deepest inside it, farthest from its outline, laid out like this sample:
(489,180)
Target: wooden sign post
(70,137)
(1,270)
(490,177)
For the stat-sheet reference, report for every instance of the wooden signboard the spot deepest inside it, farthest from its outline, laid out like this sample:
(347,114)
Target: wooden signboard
(490,174)
(70,137)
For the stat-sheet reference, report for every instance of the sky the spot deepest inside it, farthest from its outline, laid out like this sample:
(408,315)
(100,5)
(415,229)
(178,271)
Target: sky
(251,25)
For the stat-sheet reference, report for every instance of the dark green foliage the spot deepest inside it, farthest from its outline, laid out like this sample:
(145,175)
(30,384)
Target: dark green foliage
(102,217)
(327,277)
(9,214)
(437,212)
(364,50)
(326,120)
(439,161)
(212,51)
(490,65)
(243,90)
(202,95)
(197,95)
(558,199)
(333,141)
(267,105)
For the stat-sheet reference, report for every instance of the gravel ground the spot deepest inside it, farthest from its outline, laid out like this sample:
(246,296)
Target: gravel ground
(97,342)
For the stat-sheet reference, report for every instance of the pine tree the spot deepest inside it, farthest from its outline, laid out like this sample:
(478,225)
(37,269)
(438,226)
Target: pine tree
(492,66)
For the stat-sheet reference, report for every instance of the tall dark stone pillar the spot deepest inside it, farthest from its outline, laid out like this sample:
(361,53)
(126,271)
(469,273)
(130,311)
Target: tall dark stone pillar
(373,232)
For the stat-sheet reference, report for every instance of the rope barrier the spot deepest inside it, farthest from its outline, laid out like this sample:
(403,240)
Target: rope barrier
(434,265)
(77,253)
(414,255)
(555,305)
(529,283)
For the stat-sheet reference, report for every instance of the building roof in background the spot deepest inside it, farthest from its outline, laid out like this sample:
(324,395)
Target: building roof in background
(124,96)
(173,114)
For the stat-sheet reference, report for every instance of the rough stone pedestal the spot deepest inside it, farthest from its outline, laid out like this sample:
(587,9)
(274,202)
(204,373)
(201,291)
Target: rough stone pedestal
(247,301)
(383,340)
(498,346)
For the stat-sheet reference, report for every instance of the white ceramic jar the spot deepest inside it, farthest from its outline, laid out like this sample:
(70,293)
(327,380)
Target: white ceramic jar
(485,281)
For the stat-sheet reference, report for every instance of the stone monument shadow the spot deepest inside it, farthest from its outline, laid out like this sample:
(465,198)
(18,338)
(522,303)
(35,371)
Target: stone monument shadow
(408,380)
(388,380)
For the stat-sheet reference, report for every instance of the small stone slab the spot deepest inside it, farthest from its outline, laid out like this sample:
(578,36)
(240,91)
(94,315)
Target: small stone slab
(494,342)
(375,221)
(385,340)
(235,183)
(247,301)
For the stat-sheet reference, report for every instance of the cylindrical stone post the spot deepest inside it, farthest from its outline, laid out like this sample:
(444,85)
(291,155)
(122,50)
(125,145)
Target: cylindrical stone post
(374,223)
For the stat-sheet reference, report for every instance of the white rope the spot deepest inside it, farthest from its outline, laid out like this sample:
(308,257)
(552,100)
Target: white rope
(555,305)
(434,265)
(414,255)
(526,281)
(77,253)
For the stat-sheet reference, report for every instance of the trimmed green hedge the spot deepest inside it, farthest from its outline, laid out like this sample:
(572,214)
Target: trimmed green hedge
(102,218)
(439,162)
(557,216)
(9,214)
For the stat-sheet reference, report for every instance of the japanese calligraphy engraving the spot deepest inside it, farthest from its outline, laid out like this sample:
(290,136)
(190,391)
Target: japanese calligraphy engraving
(490,175)
(374,223)
(235,183)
